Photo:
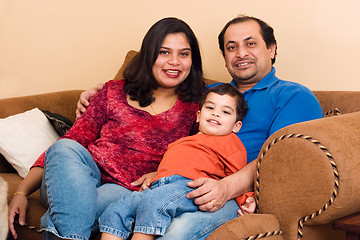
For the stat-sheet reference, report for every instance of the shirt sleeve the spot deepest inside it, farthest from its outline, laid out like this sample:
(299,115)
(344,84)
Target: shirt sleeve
(87,128)
(294,105)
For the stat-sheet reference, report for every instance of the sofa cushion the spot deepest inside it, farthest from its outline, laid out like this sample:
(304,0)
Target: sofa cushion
(60,123)
(251,226)
(23,137)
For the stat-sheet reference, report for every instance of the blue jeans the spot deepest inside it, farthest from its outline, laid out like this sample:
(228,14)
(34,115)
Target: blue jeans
(152,211)
(75,199)
(72,192)
(198,225)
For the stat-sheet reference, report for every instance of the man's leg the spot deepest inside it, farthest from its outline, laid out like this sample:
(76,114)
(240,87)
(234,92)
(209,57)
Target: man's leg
(198,225)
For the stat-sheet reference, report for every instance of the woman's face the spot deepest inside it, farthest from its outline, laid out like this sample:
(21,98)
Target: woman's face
(173,63)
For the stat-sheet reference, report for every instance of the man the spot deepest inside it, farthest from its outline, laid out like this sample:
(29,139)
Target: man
(249,49)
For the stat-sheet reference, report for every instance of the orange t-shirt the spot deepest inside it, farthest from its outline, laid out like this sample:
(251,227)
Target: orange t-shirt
(203,155)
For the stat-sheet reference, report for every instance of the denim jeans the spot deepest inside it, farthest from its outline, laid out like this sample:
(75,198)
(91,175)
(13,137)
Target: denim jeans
(198,225)
(152,211)
(75,199)
(72,192)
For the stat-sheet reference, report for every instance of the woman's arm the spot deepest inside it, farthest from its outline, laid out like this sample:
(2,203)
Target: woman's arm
(211,195)
(19,202)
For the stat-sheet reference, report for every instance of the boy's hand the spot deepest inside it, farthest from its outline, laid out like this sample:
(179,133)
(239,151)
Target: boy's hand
(248,207)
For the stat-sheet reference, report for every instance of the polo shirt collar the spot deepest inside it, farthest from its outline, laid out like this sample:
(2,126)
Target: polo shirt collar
(263,83)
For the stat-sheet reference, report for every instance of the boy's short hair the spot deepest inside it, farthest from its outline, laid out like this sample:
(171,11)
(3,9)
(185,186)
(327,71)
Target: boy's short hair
(227,88)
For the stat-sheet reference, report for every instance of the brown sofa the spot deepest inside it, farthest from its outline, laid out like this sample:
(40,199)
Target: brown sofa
(307,173)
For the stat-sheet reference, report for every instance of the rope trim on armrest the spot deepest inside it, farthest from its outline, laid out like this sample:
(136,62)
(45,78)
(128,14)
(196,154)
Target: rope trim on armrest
(332,163)
(262,235)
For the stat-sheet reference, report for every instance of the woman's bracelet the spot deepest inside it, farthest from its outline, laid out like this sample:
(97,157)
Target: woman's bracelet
(20,193)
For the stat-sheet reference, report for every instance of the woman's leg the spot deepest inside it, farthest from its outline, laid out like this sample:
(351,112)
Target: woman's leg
(71,187)
(70,183)
(151,210)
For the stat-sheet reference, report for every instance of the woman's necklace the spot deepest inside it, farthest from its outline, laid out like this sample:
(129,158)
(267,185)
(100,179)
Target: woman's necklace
(171,104)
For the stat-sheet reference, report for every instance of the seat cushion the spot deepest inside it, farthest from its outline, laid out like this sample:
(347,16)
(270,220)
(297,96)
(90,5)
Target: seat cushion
(250,226)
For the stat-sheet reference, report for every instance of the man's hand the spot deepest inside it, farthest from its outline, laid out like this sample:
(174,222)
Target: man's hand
(18,205)
(85,98)
(210,194)
(144,181)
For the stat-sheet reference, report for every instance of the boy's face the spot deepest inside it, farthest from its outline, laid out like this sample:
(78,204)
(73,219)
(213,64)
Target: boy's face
(218,115)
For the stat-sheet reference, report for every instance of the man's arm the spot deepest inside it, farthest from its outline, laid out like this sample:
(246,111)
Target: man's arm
(211,195)
(85,98)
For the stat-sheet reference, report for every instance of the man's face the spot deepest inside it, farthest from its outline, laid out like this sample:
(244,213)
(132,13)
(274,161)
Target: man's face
(247,58)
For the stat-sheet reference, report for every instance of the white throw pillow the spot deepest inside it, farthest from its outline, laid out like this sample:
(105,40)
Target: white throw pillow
(24,137)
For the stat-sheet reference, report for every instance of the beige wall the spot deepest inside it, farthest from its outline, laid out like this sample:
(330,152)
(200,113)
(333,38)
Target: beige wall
(48,45)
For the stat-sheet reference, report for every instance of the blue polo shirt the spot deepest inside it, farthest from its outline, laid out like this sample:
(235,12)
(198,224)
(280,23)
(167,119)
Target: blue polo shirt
(274,104)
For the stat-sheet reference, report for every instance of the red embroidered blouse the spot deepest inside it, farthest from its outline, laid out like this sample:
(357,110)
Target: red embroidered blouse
(124,141)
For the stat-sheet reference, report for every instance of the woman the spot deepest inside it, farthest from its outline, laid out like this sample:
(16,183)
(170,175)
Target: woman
(121,137)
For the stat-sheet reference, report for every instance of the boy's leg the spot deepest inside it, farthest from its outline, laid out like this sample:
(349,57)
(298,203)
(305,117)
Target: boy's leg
(107,194)
(119,217)
(141,236)
(163,203)
(108,236)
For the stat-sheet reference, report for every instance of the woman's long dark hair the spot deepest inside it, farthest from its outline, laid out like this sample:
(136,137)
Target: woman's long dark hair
(138,75)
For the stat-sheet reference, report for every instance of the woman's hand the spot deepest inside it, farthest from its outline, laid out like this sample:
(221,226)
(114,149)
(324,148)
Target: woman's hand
(18,205)
(209,195)
(85,98)
(144,181)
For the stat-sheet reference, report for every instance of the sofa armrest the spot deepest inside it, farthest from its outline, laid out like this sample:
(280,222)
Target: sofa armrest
(307,173)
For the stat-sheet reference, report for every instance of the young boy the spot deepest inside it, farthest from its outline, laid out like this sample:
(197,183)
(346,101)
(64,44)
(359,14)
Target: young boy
(215,152)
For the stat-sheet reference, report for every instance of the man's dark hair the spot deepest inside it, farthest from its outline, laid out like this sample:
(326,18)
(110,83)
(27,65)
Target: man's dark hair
(267,33)
(227,88)
(138,75)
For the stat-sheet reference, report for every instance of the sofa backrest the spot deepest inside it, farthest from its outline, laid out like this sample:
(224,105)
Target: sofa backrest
(64,103)
(345,101)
